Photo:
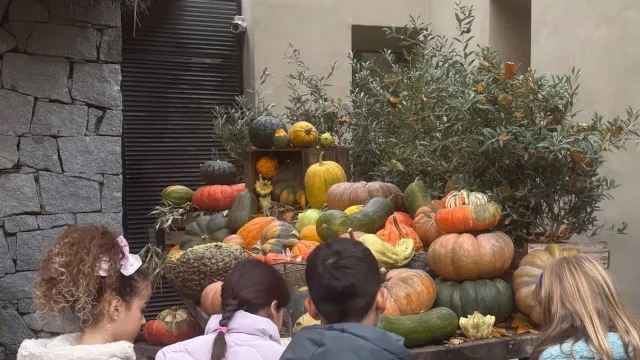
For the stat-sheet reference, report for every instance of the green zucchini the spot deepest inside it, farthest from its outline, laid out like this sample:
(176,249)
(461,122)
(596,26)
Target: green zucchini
(373,215)
(429,327)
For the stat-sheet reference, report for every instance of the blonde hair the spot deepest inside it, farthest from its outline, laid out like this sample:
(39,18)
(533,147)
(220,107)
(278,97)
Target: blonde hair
(580,302)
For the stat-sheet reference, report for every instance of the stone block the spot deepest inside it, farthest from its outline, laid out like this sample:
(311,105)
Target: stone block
(112,194)
(7,41)
(111,45)
(15,111)
(95,115)
(59,119)
(104,13)
(6,261)
(98,84)
(111,123)
(13,330)
(32,246)
(64,194)
(89,176)
(50,221)
(28,10)
(50,326)
(20,29)
(18,194)
(19,223)
(92,154)
(8,151)
(11,242)
(17,286)
(76,42)
(113,221)
(40,152)
(39,76)
(25,306)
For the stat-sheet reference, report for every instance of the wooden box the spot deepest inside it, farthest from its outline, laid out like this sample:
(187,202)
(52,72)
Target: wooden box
(307,157)
(173,236)
(598,251)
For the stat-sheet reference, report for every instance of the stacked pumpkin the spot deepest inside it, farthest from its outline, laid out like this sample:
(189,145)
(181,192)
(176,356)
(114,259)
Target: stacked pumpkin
(220,192)
(266,132)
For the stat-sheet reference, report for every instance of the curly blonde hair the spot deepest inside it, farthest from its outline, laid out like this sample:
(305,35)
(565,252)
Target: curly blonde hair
(68,283)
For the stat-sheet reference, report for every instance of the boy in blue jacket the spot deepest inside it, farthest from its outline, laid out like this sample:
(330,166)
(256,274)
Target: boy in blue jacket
(346,295)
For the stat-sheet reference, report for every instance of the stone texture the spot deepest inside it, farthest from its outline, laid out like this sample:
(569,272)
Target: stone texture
(111,45)
(11,242)
(40,152)
(25,306)
(13,330)
(40,76)
(15,111)
(112,194)
(77,42)
(98,84)
(17,286)
(19,223)
(64,194)
(93,154)
(105,13)
(27,170)
(20,29)
(111,123)
(6,261)
(28,10)
(59,119)
(49,221)
(88,176)
(18,194)
(8,151)
(113,221)
(7,41)
(95,115)
(57,327)
(3,7)
(32,247)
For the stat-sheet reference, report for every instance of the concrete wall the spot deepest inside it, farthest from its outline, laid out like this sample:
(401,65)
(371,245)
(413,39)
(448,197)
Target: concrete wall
(60,140)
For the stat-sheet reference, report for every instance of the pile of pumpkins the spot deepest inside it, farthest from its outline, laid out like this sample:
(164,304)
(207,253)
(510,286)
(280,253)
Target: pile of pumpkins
(268,132)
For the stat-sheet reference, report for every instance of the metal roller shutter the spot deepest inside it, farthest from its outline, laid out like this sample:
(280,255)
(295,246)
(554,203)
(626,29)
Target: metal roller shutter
(181,63)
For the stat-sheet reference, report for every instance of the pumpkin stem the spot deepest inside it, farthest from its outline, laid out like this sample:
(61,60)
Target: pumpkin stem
(351,235)
(416,180)
(321,159)
(395,223)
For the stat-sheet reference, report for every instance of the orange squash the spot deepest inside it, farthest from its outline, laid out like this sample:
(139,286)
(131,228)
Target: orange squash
(211,299)
(466,211)
(394,231)
(410,292)
(279,230)
(425,223)
(267,166)
(216,198)
(252,231)
(235,240)
(309,233)
(302,134)
(402,217)
(303,248)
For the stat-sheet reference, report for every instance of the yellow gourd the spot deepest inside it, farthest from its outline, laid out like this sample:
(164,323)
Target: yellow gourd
(319,178)
(476,326)
(388,255)
(302,134)
(309,233)
(353,209)
(304,321)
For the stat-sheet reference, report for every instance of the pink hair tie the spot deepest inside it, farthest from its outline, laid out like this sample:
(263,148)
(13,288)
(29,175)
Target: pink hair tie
(129,265)
(223,330)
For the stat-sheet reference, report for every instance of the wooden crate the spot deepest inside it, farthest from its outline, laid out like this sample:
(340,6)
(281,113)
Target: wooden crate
(172,237)
(598,251)
(306,157)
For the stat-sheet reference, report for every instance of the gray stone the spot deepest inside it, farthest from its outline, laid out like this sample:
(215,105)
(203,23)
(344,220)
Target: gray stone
(20,29)
(77,42)
(40,76)
(88,176)
(13,330)
(25,306)
(98,84)
(28,10)
(94,117)
(11,242)
(113,221)
(112,194)
(100,13)
(111,45)
(15,111)
(8,151)
(32,246)
(111,123)
(6,261)
(19,223)
(7,41)
(3,7)
(49,221)
(17,286)
(40,152)
(18,194)
(3,354)
(65,194)
(51,326)
(27,170)
(93,154)
(59,119)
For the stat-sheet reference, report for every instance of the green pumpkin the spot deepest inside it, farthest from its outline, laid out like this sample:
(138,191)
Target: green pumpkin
(281,139)
(306,218)
(415,196)
(176,195)
(243,207)
(331,224)
(286,183)
(262,130)
(218,173)
(488,297)
(373,215)
(206,229)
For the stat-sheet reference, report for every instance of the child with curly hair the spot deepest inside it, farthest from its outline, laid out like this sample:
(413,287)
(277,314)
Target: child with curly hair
(90,274)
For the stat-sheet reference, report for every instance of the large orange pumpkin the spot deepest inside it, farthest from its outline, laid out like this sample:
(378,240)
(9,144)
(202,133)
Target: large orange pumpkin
(425,223)
(410,292)
(171,326)
(469,218)
(460,257)
(302,134)
(394,231)
(402,217)
(528,275)
(252,231)
(216,198)
(211,299)
(309,233)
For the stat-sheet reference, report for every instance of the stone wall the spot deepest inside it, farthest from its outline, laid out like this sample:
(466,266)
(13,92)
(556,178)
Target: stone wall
(60,141)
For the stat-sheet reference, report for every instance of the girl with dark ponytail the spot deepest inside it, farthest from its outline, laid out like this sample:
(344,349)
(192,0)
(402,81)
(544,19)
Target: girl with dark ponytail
(254,296)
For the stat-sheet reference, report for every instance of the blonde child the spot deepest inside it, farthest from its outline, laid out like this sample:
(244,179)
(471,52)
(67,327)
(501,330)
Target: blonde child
(90,274)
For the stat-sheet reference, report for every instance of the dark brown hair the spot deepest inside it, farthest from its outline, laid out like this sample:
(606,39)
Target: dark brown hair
(67,282)
(250,286)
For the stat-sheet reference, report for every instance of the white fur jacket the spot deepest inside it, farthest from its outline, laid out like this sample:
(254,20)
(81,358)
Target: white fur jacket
(66,347)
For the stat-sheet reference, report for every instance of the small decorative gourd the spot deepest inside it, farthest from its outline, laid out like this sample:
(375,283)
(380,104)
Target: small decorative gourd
(476,326)
(267,166)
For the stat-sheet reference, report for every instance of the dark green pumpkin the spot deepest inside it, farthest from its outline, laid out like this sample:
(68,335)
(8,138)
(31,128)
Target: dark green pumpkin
(206,229)
(262,130)
(372,217)
(415,196)
(488,297)
(243,207)
(331,224)
(429,327)
(218,173)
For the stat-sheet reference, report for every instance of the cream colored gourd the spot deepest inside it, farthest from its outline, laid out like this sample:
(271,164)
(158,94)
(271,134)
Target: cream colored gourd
(388,255)
(476,326)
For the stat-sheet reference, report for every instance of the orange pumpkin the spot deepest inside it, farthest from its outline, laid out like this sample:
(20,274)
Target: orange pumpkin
(402,217)
(235,240)
(274,259)
(425,223)
(175,248)
(279,230)
(410,292)
(211,299)
(460,257)
(302,134)
(309,233)
(267,166)
(216,198)
(252,231)
(303,248)
(171,326)
(467,218)
(394,231)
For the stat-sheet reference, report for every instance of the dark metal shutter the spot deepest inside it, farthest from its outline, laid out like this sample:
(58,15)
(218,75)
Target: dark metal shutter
(183,61)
